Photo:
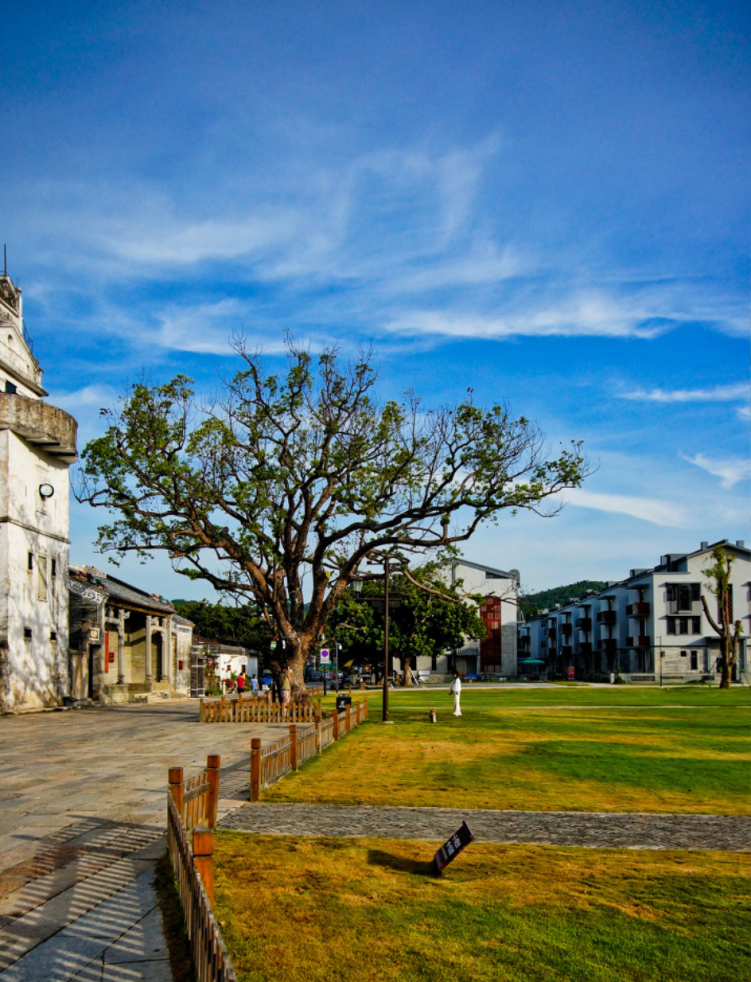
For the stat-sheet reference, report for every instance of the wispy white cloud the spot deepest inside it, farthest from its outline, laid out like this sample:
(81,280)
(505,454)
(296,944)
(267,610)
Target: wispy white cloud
(731,471)
(716,393)
(664,513)
(588,313)
(84,399)
(743,412)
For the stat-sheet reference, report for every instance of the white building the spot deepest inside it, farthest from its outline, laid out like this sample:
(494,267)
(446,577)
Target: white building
(649,625)
(37,447)
(496,653)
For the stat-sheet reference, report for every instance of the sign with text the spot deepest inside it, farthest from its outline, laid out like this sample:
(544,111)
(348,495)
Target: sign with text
(571,673)
(453,846)
(325,656)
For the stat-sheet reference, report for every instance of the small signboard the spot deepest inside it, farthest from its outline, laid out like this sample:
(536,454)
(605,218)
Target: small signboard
(325,656)
(452,847)
(571,673)
(273,646)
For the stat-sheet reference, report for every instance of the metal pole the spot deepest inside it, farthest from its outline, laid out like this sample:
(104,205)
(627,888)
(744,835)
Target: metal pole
(386,646)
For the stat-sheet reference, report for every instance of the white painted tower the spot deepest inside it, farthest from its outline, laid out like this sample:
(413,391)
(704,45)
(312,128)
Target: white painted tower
(37,447)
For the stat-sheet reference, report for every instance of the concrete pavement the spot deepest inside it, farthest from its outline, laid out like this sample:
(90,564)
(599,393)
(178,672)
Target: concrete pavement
(82,823)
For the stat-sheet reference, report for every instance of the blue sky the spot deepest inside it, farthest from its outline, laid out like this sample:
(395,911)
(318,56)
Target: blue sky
(548,202)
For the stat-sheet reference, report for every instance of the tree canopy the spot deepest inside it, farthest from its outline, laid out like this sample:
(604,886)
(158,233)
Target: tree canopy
(243,626)
(282,487)
(431,617)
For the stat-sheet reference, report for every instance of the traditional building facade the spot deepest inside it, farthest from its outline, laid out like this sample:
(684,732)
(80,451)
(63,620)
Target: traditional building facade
(650,625)
(37,447)
(126,645)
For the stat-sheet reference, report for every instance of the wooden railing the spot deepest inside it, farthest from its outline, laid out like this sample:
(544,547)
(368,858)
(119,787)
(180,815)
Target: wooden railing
(240,709)
(191,820)
(269,764)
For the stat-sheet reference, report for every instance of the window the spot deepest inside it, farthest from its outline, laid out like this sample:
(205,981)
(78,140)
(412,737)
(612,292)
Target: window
(694,661)
(706,660)
(53,635)
(30,561)
(684,625)
(684,654)
(42,578)
(433,663)
(10,388)
(53,567)
(684,594)
(27,634)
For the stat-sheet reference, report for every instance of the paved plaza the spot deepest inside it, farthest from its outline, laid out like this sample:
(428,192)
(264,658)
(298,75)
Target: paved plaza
(82,824)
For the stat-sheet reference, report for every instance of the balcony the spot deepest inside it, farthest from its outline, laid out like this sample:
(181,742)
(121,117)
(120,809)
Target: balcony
(586,647)
(523,642)
(566,650)
(606,617)
(584,624)
(638,610)
(551,633)
(639,641)
(609,645)
(566,629)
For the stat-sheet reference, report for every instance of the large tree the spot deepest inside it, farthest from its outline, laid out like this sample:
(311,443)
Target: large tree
(282,487)
(730,633)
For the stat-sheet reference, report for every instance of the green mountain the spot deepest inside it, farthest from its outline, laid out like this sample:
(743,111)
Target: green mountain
(530,603)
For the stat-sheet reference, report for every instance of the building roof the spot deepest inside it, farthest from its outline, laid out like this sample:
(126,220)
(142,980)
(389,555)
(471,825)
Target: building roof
(491,572)
(120,592)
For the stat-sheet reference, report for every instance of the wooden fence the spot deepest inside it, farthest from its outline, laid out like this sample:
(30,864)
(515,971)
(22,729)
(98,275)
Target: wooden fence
(191,820)
(269,764)
(255,710)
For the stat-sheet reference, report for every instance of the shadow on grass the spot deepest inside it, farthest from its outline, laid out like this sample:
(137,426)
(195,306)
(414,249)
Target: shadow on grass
(377,857)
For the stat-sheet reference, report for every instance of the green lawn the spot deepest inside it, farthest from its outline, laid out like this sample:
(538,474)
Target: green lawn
(572,749)
(318,909)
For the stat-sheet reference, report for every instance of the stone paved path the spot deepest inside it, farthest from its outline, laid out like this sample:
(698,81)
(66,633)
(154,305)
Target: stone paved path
(82,823)
(601,830)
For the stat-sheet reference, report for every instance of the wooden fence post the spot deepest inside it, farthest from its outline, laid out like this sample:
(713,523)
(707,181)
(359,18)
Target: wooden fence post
(348,718)
(176,787)
(200,711)
(213,762)
(319,738)
(336,725)
(357,713)
(365,705)
(255,769)
(203,859)
(293,745)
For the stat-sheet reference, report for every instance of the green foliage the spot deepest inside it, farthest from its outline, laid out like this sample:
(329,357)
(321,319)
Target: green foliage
(531,603)
(423,623)
(241,626)
(299,477)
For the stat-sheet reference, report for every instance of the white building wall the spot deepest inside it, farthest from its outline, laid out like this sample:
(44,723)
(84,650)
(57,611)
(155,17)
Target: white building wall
(37,444)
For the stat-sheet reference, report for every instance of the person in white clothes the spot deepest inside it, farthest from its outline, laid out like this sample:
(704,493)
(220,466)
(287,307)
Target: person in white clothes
(456,689)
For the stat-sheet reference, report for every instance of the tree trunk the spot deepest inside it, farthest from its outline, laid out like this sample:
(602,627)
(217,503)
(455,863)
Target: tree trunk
(297,663)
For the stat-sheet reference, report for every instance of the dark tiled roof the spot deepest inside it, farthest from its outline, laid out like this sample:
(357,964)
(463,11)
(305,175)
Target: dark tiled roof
(118,590)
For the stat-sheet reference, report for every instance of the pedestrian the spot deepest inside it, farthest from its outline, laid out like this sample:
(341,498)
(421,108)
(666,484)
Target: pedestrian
(456,691)
(286,690)
(253,685)
(242,678)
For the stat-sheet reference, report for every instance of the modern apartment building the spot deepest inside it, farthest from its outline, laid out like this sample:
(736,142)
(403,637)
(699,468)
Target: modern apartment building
(649,625)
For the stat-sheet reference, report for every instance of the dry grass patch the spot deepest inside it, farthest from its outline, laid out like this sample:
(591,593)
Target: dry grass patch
(365,909)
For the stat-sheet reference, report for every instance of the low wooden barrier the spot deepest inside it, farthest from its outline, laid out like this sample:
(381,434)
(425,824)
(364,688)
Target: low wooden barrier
(191,820)
(269,764)
(239,709)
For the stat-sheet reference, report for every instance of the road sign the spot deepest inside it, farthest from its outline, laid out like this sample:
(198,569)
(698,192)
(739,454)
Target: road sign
(325,656)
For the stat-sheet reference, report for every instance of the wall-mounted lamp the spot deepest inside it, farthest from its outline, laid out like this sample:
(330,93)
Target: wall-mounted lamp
(46,490)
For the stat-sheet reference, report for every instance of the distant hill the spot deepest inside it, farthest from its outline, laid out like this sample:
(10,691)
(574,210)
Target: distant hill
(532,602)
